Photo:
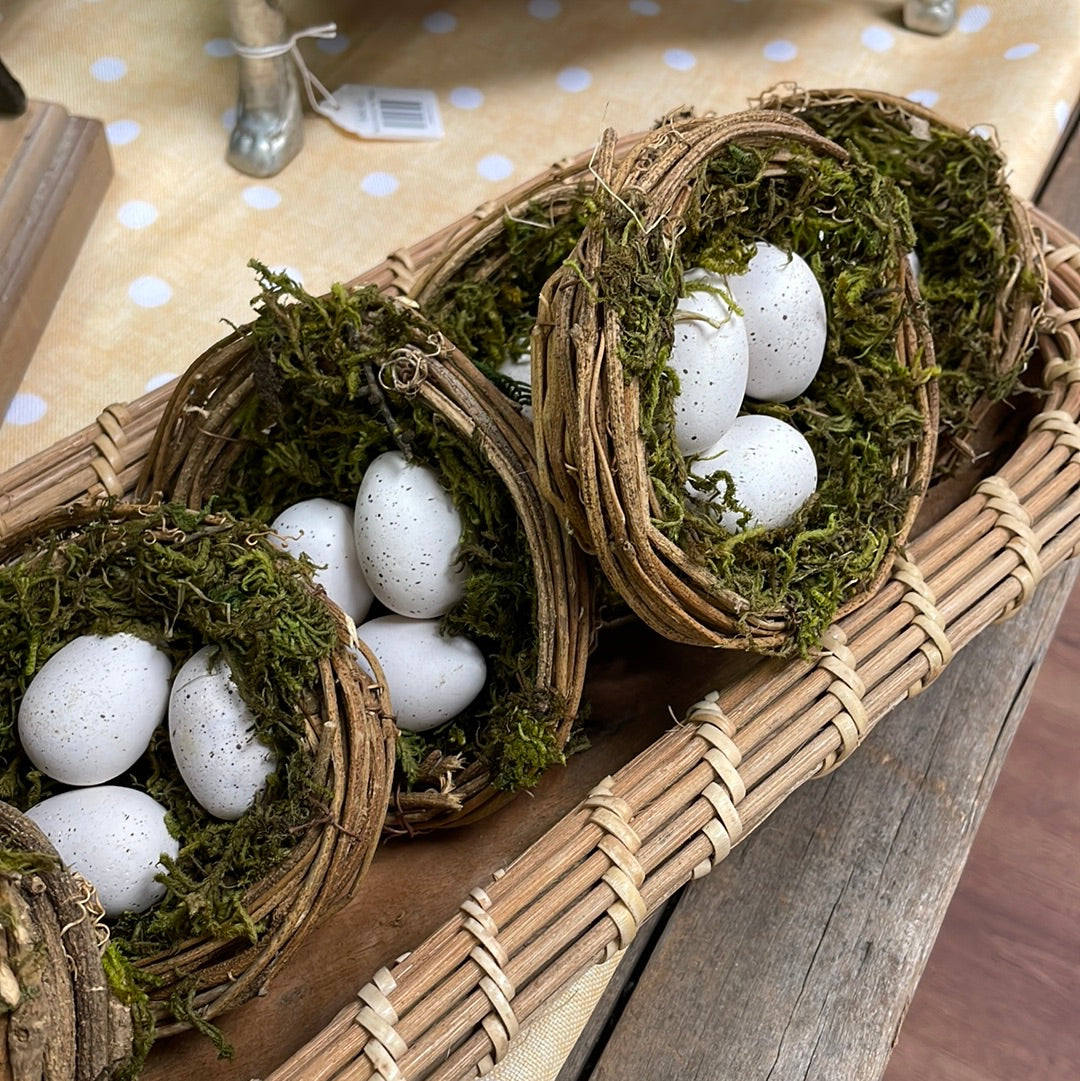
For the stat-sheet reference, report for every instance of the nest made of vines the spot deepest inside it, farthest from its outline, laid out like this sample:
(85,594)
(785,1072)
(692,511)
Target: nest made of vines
(700,191)
(295,405)
(242,895)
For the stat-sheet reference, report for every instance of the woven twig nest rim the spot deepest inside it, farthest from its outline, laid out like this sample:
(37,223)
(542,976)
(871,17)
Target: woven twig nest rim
(338,726)
(199,447)
(1007,246)
(594,461)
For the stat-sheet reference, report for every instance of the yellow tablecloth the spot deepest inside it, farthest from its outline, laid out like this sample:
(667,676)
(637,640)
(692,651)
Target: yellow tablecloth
(519,83)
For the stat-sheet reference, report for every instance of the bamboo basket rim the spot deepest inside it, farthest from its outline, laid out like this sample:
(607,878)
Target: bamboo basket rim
(593,456)
(351,739)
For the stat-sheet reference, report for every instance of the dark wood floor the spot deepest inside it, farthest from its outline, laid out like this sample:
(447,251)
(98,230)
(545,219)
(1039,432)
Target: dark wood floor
(1000,997)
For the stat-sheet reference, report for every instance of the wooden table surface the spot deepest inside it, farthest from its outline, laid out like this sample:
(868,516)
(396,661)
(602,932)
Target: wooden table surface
(798,956)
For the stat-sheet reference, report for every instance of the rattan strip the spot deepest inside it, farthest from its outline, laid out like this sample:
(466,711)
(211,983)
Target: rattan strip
(937,648)
(777,731)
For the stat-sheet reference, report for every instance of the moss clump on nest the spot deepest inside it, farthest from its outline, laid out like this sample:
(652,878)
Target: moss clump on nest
(322,413)
(180,579)
(488,307)
(860,415)
(967,238)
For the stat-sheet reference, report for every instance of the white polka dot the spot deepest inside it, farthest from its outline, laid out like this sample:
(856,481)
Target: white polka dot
(261,197)
(780,50)
(574,80)
(121,132)
(219,48)
(679,59)
(877,39)
(440,22)
(379,184)
(107,69)
(544,9)
(150,292)
(494,167)
(1021,52)
(973,19)
(158,380)
(26,409)
(466,97)
(289,272)
(334,46)
(137,214)
(228,118)
(1062,112)
(644,7)
(929,98)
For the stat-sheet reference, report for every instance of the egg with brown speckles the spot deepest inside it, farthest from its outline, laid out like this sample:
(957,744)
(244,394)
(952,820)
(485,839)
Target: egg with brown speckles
(771,465)
(784,313)
(431,677)
(322,529)
(709,357)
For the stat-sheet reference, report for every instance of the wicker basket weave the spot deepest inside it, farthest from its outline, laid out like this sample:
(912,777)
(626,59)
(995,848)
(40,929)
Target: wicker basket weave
(195,450)
(448,1009)
(340,719)
(595,461)
(451,1008)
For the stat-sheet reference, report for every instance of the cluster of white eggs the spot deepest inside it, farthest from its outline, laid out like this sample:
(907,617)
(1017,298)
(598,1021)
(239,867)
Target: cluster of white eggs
(399,544)
(767,345)
(91,712)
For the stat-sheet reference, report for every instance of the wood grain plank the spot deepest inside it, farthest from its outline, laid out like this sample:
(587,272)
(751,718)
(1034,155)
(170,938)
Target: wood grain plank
(54,171)
(798,956)
(998,997)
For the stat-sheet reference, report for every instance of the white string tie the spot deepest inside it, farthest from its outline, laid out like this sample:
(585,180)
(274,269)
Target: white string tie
(289,47)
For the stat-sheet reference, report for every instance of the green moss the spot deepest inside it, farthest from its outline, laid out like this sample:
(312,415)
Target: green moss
(488,308)
(956,187)
(181,580)
(323,412)
(852,227)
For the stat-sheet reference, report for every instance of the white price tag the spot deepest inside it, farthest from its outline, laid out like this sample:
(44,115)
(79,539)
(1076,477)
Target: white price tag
(383,112)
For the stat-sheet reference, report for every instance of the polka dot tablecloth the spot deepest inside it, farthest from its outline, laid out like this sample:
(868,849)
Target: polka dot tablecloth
(520,83)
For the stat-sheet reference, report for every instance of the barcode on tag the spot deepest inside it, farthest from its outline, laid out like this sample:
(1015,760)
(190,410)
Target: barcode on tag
(382,112)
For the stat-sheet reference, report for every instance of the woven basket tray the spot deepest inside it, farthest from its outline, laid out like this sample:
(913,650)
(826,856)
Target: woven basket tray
(451,1007)
(572,898)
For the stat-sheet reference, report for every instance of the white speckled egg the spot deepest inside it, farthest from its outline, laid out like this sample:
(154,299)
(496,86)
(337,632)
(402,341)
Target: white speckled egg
(431,678)
(112,836)
(212,732)
(709,355)
(322,529)
(407,536)
(92,708)
(784,312)
(771,465)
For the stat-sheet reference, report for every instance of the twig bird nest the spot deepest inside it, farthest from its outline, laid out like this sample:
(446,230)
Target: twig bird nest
(700,193)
